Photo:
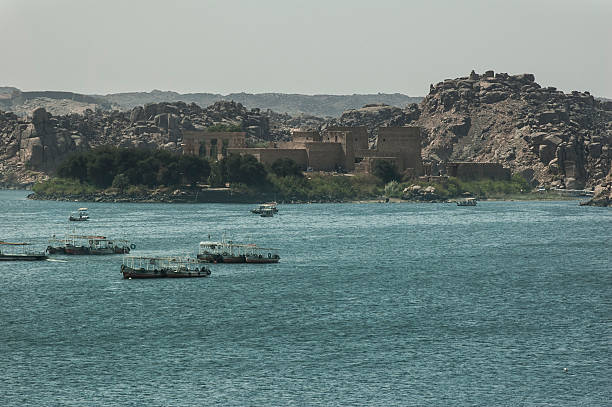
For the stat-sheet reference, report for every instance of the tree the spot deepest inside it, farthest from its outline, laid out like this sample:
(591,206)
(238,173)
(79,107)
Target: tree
(385,170)
(244,169)
(193,168)
(286,167)
(75,166)
(121,182)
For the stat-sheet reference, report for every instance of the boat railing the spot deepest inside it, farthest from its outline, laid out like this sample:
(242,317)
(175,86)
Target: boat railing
(156,263)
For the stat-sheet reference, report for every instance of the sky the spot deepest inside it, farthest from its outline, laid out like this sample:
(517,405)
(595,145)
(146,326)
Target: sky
(309,47)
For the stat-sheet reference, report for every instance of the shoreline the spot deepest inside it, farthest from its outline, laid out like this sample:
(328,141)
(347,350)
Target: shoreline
(228,196)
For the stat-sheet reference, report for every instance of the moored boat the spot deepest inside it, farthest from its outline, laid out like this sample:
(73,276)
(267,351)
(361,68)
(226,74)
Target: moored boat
(89,245)
(222,252)
(230,252)
(19,252)
(162,267)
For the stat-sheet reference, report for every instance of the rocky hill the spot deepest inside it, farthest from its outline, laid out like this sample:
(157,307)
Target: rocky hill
(31,148)
(548,136)
(59,103)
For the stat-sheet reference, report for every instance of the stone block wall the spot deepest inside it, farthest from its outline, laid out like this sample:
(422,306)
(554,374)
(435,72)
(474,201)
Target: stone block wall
(325,156)
(403,143)
(482,170)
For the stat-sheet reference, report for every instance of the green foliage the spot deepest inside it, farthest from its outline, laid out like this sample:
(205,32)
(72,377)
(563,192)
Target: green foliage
(393,189)
(484,188)
(244,169)
(121,182)
(284,167)
(385,170)
(63,186)
(101,167)
(224,128)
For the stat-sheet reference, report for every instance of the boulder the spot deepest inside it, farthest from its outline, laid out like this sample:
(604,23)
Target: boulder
(137,114)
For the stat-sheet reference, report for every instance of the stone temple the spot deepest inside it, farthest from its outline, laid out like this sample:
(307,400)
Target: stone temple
(334,149)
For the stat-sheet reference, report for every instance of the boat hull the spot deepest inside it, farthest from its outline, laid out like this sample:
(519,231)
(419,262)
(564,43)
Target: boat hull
(262,259)
(23,257)
(84,250)
(129,273)
(218,258)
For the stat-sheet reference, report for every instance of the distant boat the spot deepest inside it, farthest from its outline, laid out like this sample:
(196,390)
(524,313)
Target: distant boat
(19,252)
(230,252)
(467,202)
(80,215)
(268,207)
(267,213)
(162,267)
(86,245)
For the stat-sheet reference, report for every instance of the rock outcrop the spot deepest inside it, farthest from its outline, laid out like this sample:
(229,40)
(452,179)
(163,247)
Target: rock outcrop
(550,137)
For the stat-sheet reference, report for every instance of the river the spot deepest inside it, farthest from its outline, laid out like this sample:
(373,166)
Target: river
(505,303)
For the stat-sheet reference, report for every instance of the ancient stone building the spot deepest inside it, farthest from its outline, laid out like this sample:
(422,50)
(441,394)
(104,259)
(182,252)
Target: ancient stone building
(334,149)
(211,144)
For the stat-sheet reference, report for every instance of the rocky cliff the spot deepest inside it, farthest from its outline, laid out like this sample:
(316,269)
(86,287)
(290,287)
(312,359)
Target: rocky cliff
(548,136)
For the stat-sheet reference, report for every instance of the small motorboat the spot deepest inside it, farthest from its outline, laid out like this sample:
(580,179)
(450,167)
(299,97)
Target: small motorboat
(265,207)
(267,213)
(467,202)
(80,215)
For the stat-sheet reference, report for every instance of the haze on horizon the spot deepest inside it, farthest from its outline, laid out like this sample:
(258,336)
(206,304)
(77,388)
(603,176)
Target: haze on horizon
(314,47)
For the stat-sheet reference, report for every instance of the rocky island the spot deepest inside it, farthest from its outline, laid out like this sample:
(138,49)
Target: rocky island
(549,138)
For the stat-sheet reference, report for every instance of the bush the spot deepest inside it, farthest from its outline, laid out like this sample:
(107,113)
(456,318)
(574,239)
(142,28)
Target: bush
(385,170)
(393,189)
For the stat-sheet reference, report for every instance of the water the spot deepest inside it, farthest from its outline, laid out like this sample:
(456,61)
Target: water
(372,305)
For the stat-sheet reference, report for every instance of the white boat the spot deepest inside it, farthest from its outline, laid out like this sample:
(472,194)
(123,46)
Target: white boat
(79,216)
(467,202)
(268,207)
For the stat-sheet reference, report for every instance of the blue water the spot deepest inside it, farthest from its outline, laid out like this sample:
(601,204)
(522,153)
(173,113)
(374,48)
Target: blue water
(371,305)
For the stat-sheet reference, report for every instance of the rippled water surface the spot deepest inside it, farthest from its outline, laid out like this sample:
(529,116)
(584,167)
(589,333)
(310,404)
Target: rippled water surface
(372,305)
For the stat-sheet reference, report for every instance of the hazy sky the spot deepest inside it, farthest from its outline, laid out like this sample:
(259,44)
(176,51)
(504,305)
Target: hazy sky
(336,47)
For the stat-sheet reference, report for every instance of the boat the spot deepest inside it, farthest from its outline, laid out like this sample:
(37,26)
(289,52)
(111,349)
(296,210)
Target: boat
(467,202)
(267,213)
(19,252)
(88,245)
(162,267)
(222,252)
(262,255)
(80,215)
(265,207)
(230,252)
